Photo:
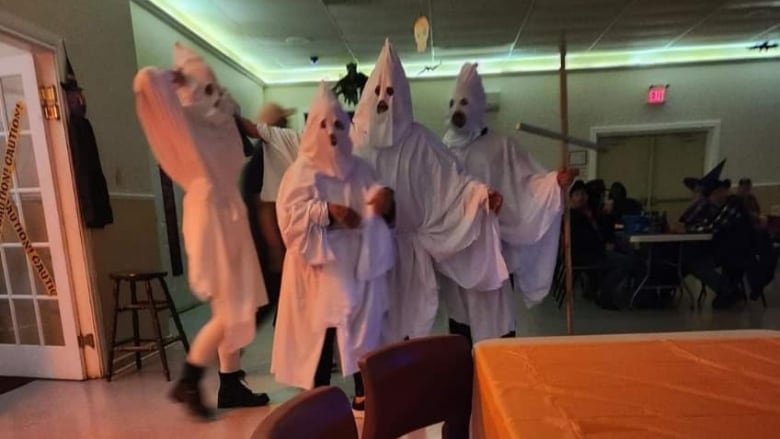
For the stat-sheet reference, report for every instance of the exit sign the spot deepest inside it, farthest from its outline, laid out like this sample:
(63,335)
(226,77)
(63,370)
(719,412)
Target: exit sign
(657,94)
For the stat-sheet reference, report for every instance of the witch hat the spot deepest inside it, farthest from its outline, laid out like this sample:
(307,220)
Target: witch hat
(70,83)
(708,182)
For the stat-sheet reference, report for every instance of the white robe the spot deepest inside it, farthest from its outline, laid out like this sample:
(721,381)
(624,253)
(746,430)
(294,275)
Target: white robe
(332,278)
(530,222)
(441,216)
(280,150)
(202,154)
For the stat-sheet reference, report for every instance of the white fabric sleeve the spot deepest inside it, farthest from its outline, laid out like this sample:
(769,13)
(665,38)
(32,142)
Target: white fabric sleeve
(165,126)
(303,220)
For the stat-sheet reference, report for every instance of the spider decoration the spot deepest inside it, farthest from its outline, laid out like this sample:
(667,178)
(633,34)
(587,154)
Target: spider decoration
(351,86)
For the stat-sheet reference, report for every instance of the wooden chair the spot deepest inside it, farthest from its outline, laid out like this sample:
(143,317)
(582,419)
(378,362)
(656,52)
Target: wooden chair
(418,383)
(321,413)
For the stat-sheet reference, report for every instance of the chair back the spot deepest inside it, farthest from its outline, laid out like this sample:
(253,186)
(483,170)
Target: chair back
(321,413)
(418,383)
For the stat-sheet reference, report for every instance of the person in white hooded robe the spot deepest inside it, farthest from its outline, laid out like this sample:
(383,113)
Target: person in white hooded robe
(530,217)
(443,217)
(188,119)
(332,214)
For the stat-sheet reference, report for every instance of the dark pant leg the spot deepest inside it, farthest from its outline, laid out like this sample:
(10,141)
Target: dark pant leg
(322,375)
(703,267)
(359,390)
(457,328)
(618,267)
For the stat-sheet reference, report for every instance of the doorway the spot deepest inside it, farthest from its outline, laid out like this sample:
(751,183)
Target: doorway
(653,166)
(38,324)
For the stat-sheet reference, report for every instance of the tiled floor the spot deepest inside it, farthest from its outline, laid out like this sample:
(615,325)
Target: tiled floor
(134,405)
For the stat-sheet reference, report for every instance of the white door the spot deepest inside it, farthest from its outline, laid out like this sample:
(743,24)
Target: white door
(653,166)
(38,336)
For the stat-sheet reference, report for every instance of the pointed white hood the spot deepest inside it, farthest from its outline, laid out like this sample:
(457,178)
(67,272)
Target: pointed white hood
(467,108)
(384,113)
(202,94)
(325,143)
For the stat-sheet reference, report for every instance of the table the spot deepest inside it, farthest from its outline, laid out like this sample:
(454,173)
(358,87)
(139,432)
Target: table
(665,238)
(679,385)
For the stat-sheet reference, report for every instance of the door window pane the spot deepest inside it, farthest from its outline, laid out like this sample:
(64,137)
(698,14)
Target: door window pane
(6,324)
(26,321)
(26,172)
(34,220)
(52,323)
(45,255)
(13,91)
(17,271)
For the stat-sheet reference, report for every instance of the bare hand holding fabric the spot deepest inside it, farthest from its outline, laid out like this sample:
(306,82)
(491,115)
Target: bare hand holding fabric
(383,202)
(343,216)
(566,177)
(495,201)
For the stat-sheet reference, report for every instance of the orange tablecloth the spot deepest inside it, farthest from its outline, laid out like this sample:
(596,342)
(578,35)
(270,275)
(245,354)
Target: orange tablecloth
(618,388)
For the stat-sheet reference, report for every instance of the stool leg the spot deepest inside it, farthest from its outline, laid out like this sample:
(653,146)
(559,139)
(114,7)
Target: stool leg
(174,314)
(113,331)
(136,328)
(157,330)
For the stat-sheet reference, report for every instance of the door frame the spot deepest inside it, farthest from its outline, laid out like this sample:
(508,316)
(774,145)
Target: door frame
(711,127)
(48,53)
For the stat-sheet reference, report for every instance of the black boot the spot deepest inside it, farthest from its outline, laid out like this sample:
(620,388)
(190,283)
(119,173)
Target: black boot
(233,392)
(359,402)
(457,328)
(187,392)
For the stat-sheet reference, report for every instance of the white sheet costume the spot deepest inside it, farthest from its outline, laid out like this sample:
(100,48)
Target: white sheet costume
(333,277)
(530,217)
(193,136)
(441,215)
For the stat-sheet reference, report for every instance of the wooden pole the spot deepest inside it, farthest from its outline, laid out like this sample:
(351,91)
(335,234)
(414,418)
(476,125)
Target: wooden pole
(568,274)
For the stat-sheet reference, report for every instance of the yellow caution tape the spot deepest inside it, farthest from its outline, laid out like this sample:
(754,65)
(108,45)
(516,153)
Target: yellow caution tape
(8,208)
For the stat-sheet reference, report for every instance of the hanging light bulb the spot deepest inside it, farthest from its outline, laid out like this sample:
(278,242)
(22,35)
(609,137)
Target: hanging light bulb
(422,30)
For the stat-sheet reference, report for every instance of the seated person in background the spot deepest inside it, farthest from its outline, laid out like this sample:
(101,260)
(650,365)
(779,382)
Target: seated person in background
(617,207)
(589,248)
(597,191)
(745,192)
(711,213)
(699,200)
(620,204)
(760,267)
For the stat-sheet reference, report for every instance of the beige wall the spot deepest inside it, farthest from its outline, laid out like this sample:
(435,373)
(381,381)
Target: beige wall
(154,41)
(745,97)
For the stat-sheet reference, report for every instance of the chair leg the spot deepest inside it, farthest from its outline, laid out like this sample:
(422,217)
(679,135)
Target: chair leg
(763,299)
(113,332)
(174,314)
(157,330)
(702,295)
(136,327)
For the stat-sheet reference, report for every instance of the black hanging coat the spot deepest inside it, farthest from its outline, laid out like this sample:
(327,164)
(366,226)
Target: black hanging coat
(94,201)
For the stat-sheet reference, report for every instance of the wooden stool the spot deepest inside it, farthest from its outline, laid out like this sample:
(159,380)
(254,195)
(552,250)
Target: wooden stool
(139,345)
